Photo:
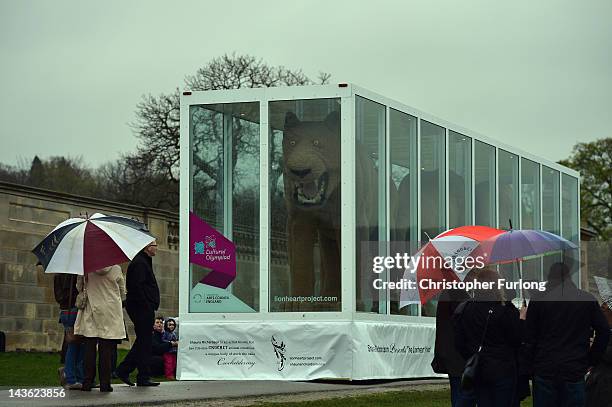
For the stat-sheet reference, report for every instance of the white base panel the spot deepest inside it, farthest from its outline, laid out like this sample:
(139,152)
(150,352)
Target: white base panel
(275,350)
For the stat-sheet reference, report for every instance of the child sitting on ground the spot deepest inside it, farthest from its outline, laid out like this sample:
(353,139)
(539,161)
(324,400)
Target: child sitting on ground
(170,335)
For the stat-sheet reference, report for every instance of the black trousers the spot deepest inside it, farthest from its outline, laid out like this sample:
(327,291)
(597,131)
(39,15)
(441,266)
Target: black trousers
(106,348)
(140,354)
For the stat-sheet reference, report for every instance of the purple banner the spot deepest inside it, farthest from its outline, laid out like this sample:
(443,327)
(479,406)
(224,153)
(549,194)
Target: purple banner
(209,248)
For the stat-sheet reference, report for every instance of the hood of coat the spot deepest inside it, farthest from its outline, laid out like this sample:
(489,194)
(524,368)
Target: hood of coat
(104,271)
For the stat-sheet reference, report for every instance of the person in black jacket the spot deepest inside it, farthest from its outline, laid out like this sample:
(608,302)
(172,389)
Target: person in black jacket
(141,303)
(559,325)
(447,359)
(494,322)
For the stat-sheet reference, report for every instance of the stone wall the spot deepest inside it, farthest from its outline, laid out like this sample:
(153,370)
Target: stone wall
(28,311)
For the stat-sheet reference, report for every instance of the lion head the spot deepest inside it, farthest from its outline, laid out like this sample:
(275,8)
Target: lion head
(311,160)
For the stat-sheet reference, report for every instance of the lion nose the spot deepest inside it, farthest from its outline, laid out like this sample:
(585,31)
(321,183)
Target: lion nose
(301,173)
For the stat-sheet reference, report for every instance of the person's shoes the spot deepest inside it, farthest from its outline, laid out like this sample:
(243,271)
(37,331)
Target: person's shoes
(106,389)
(125,379)
(73,386)
(86,387)
(148,383)
(62,376)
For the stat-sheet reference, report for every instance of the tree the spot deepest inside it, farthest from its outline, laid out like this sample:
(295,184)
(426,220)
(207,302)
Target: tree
(594,161)
(157,122)
(36,176)
(14,175)
(64,174)
(137,184)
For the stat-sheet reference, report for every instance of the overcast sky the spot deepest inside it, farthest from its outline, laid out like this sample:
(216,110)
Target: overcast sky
(533,74)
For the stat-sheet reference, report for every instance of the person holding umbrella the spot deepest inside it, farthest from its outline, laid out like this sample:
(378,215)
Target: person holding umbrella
(100,321)
(490,327)
(141,303)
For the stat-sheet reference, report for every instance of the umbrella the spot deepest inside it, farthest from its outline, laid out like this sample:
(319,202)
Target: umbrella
(519,244)
(515,245)
(83,245)
(457,244)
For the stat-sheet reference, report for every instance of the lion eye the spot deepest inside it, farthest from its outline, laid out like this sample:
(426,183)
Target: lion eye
(315,142)
(292,142)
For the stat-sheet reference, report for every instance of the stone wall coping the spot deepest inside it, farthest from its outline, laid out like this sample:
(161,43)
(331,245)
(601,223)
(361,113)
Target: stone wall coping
(63,197)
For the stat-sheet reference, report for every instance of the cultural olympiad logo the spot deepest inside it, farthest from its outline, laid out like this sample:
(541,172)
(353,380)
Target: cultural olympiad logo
(208,248)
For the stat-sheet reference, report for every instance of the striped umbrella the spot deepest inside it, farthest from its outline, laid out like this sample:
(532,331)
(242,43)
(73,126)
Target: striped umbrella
(83,245)
(457,244)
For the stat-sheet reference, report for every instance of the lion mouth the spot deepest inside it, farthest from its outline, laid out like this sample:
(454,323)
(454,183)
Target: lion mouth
(312,192)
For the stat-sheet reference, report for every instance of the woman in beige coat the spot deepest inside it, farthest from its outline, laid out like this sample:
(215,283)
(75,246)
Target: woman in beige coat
(101,322)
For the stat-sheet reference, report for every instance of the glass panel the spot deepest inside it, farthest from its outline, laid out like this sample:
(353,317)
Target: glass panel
(570,208)
(370,195)
(207,165)
(227,198)
(459,180)
(550,200)
(433,189)
(569,223)
(530,212)
(403,129)
(530,194)
(508,185)
(484,180)
(551,210)
(508,190)
(305,205)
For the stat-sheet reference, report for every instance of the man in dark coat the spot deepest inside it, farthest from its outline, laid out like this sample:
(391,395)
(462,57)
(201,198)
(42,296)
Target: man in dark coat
(559,326)
(141,303)
(447,360)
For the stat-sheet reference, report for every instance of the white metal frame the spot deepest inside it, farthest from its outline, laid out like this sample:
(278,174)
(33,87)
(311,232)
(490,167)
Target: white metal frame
(346,94)
(264,207)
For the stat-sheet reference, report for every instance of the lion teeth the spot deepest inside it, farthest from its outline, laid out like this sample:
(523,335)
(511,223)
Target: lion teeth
(320,185)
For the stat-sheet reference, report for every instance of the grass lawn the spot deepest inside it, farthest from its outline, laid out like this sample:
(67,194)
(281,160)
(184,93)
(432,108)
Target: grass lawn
(415,398)
(391,399)
(35,369)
